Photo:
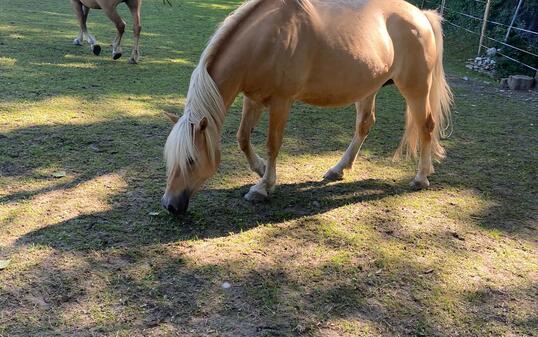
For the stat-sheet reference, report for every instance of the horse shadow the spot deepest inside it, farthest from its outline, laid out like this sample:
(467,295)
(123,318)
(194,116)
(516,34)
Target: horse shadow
(216,212)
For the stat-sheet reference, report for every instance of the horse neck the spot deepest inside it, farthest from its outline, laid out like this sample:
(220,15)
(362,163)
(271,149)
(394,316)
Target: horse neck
(227,76)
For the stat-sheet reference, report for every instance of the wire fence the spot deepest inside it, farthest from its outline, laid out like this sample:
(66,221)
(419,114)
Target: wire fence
(486,41)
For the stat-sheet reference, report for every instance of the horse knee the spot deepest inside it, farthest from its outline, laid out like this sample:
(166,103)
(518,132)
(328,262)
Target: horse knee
(120,26)
(365,126)
(243,140)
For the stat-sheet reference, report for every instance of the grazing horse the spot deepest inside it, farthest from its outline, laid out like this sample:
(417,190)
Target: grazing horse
(82,9)
(324,53)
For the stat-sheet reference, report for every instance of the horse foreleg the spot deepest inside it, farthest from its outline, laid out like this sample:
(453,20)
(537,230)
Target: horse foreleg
(365,120)
(278,116)
(251,114)
(77,8)
(120,26)
(94,47)
(134,7)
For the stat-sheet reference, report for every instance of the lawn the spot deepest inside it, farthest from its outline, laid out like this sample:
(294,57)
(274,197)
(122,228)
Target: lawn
(92,254)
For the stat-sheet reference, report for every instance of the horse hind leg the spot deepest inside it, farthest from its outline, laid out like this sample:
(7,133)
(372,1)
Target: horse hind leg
(365,120)
(418,135)
(79,12)
(94,47)
(252,112)
(134,7)
(113,15)
(82,12)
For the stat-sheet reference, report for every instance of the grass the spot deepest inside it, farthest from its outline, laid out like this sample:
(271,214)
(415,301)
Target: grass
(361,257)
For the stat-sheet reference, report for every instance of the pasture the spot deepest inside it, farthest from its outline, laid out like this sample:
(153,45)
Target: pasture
(93,254)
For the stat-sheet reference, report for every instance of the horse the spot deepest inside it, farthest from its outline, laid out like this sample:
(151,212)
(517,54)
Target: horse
(324,53)
(82,9)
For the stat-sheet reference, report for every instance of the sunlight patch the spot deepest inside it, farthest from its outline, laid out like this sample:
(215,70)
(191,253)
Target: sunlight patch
(79,65)
(7,61)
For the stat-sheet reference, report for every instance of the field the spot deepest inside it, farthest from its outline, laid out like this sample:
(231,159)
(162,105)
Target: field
(91,252)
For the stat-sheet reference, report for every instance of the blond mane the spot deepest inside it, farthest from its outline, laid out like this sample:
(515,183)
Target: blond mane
(203,100)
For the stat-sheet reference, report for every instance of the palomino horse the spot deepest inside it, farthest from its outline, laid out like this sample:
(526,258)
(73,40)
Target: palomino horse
(82,9)
(325,53)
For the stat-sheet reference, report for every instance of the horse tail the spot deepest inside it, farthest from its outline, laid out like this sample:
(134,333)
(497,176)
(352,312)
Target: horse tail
(441,97)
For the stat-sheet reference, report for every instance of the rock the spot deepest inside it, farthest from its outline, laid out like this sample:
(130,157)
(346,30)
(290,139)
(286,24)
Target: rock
(491,52)
(504,84)
(520,82)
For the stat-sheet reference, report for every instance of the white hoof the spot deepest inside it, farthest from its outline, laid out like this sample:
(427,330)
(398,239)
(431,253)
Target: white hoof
(77,42)
(256,195)
(417,184)
(333,176)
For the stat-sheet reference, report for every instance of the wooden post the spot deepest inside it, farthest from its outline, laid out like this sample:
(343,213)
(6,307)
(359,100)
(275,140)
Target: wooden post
(484,26)
(443,7)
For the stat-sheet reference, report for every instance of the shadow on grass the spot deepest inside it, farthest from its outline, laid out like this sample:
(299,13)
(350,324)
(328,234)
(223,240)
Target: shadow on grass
(177,292)
(216,213)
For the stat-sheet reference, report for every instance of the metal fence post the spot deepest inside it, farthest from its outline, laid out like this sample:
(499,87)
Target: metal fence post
(443,7)
(513,21)
(484,26)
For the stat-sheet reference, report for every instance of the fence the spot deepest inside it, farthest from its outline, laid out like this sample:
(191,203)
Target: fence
(486,41)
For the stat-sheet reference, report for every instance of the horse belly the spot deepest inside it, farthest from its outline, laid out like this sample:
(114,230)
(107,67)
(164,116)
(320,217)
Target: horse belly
(93,4)
(337,80)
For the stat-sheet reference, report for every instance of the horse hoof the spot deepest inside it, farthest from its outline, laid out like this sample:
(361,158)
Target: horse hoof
(133,61)
(333,176)
(77,42)
(419,185)
(255,196)
(116,56)
(96,49)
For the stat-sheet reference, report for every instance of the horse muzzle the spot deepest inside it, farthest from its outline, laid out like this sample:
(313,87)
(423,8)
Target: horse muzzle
(176,205)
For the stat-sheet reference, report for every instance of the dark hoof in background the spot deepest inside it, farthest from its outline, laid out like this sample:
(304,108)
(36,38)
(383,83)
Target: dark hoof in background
(132,61)
(96,49)
(116,56)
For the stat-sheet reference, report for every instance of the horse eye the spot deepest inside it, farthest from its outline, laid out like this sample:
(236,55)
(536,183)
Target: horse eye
(191,162)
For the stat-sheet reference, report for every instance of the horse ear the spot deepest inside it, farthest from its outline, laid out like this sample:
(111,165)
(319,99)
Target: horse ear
(203,124)
(173,118)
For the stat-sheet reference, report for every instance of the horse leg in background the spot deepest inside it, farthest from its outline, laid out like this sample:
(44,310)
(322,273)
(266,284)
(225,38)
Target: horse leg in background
(279,110)
(134,7)
(113,15)
(365,120)
(251,114)
(82,12)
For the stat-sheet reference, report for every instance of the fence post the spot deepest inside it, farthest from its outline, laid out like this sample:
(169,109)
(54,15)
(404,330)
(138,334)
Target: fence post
(513,21)
(484,26)
(443,7)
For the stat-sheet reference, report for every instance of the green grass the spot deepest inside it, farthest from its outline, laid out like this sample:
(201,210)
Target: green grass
(361,257)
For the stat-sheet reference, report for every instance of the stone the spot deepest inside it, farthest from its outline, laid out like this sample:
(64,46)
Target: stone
(520,82)
(504,84)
